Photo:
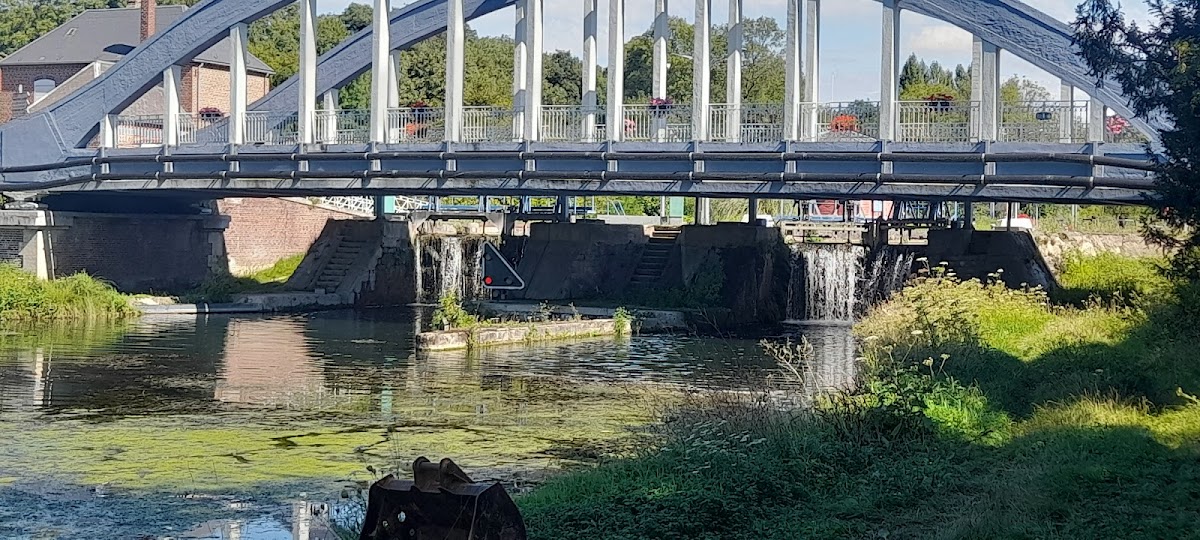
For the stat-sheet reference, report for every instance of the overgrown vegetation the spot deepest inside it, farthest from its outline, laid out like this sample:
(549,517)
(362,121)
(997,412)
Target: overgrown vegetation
(982,412)
(1110,279)
(1157,65)
(451,314)
(222,288)
(24,297)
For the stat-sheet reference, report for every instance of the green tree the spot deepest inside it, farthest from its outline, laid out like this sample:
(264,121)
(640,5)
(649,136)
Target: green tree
(1158,67)
(22,21)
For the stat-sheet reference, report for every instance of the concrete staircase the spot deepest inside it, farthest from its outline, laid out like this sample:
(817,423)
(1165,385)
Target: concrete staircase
(333,274)
(654,258)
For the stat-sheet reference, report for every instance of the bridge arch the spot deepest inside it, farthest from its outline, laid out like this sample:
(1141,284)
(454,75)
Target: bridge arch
(53,134)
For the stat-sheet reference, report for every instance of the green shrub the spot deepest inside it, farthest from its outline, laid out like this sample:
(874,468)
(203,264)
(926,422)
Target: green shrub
(24,297)
(1109,278)
(451,314)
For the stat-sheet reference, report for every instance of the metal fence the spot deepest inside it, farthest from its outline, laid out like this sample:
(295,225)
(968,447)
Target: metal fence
(136,131)
(843,121)
(343,126)
(271,128)
(1044,121)
(938,121)
(416,125)
(747,123)
(565,123)
(488,124)
(203,129)
(661,123)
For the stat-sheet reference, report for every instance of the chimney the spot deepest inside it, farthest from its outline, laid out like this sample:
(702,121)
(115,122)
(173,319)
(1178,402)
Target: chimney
(149,9)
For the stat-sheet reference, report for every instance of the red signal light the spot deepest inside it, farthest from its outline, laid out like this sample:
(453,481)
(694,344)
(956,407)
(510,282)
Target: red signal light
(487,280)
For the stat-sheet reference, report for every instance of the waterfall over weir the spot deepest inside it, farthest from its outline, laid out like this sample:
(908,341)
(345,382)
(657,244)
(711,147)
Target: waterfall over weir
(837,283)
(448,264)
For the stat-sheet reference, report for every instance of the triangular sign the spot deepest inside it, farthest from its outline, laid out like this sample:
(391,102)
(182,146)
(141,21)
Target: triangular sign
(498,274)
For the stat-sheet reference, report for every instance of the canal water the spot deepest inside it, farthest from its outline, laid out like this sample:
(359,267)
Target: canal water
(263,427)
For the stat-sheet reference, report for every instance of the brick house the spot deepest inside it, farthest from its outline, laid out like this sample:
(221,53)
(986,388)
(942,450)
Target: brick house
(68,57)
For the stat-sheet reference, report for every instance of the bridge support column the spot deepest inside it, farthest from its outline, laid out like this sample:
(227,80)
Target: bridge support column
(1066,120)
(985,89)
(381,54)
(308,72)
(520,70)
(889,80)
(395,66)
(812,67)
(172,82)
(108,131)
(534,77)
(662,32)
(590,99)
(793,86)
(1097,114)
(702,92)
(456,29)
(733,79)
(238,99)
(752,211)
(701,70)
(329,101)
(616,70)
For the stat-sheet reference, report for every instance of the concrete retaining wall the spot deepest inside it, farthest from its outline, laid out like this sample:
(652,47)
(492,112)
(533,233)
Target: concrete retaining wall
(753,262)
(503,335)
(976,254)
(136,252)
(562,261)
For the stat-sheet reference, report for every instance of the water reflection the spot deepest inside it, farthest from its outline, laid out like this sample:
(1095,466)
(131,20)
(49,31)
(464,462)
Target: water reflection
(219,404)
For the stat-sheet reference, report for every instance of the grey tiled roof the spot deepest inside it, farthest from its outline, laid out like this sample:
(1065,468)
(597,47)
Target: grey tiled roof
(108,35)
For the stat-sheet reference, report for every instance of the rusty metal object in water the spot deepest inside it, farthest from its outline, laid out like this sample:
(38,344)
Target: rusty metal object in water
(441,502)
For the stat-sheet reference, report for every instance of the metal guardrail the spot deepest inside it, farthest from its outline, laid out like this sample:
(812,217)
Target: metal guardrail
(938,121)
(755,123)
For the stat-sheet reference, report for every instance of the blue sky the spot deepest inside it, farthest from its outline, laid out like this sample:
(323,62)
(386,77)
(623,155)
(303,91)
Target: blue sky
(850,47)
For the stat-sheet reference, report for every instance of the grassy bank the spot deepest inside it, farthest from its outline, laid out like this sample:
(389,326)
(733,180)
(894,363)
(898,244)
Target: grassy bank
(25,298)
(223,288)
(983,413)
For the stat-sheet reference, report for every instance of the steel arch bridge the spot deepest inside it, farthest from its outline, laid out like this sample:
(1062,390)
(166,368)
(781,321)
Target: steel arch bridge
(713,150)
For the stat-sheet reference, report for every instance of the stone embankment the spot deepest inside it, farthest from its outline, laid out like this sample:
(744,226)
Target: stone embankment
(484,336)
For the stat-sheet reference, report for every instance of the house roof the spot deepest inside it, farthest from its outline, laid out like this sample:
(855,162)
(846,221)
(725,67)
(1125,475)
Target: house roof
(108,35)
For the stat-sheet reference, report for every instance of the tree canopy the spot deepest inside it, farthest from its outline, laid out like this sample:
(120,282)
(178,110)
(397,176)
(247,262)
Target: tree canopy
(1158,66)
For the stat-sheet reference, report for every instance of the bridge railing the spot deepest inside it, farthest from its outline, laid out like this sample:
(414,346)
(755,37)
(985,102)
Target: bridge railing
(938,121)
(844,121)
(1044,121)
(565,123)
(488,124)
(271,128)
(135,131)
(658,123)
(343,126)
(416,124)
(754,123)
(203,128)
(748,122)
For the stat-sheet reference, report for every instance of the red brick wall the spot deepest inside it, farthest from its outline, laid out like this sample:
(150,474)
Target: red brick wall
(16,77)
(208,86)
(263,231)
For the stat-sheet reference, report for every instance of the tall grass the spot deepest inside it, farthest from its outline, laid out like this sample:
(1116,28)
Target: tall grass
(23,297)
(983,412)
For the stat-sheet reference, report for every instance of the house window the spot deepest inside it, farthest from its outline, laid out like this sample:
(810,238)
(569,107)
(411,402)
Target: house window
(41,87)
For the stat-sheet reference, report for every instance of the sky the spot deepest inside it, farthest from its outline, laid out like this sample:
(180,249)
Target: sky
(850,43)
